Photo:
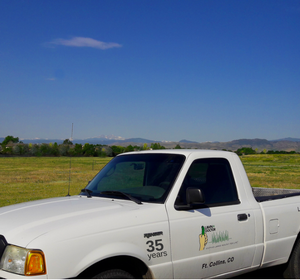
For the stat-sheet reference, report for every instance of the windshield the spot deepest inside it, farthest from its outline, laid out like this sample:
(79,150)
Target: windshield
(146,177)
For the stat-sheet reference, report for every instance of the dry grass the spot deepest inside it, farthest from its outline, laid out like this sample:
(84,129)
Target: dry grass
(30,178)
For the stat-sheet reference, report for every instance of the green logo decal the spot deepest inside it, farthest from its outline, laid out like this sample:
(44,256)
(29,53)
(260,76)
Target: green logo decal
(220,237)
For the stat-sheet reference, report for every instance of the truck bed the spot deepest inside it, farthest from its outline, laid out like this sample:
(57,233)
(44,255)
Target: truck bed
(265,194)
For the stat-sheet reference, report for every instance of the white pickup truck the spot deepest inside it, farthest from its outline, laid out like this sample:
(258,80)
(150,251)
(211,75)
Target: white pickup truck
(155,214)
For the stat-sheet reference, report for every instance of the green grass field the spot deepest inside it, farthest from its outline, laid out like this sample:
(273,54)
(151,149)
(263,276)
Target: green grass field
(273,171)
(30,178)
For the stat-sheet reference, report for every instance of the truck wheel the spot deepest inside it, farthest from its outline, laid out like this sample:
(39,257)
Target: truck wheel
(113,274)
(293,267)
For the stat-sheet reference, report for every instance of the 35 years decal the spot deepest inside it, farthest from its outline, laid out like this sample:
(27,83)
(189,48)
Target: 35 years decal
(155,246)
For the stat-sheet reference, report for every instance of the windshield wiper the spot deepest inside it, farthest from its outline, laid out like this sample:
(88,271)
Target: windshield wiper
(118,193)
(88,192)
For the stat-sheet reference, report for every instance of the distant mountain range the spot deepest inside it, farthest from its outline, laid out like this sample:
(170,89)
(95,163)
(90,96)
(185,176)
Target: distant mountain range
(103,140)
(187,141)
(285,144)
(288,139)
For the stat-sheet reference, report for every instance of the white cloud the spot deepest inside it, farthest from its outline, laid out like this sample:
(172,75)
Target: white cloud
(85,42)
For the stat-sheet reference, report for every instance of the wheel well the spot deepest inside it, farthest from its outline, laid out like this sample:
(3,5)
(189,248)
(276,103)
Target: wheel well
(291,268)
(132,265)
(296,240)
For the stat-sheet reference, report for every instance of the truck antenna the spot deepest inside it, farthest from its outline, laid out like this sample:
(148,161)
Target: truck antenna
(71,139)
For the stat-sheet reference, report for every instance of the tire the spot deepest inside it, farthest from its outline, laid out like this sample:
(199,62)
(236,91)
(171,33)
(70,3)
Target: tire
(293,266)
(113,274)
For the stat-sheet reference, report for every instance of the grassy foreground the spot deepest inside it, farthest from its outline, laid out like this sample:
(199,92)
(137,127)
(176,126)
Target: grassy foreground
(273,171)
(30,178)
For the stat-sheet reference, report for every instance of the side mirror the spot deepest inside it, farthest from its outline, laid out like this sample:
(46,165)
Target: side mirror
(194,199)
(194,196)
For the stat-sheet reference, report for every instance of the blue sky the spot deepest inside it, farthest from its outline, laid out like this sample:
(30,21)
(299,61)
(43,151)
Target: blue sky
(214,70)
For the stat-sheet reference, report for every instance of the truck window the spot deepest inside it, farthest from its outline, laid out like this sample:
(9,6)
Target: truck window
(124,175)
(147,177)
(213,176)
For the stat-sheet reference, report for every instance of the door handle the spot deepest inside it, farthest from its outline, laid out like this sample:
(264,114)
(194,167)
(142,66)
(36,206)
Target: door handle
(242,217)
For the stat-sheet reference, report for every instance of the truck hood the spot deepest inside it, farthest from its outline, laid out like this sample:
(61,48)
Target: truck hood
(22,223)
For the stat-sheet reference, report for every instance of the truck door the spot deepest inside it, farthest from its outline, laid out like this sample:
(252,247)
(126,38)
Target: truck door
(219,236)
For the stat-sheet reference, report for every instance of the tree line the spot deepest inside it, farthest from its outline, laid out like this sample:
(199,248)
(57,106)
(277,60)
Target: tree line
(13,146)
(251,151)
